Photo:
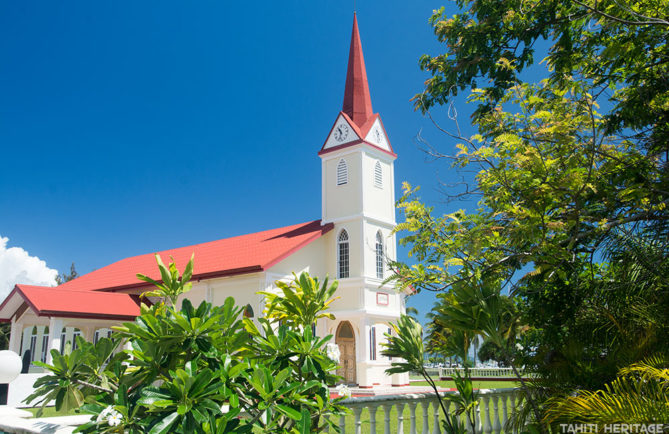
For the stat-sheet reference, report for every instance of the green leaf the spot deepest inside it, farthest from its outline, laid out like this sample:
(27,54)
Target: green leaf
(165,424)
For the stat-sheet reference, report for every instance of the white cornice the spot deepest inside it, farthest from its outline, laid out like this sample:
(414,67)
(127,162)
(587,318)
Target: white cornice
(371,283)
(366,217)
(363,147)
(366,313)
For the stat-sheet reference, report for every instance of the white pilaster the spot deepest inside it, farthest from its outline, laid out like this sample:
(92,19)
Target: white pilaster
(55,329)
(87,333)
(15,337)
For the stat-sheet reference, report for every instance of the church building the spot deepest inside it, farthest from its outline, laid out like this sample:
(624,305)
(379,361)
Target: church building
(350,242)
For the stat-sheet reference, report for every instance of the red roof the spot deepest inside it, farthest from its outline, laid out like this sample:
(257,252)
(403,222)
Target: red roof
(49,301)
(357,102)
(86,296)
(237,255)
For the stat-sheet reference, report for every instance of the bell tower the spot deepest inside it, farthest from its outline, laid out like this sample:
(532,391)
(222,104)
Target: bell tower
(358,197)
(358,189)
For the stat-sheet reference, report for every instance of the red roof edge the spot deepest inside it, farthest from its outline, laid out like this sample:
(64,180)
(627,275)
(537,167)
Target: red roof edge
(27,299)
(140,285)
(383,127)
(4,302)
(324,230)
(357,142)
(63,314)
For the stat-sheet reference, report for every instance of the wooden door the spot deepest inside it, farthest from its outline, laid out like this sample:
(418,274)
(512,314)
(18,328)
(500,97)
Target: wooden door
(347,362)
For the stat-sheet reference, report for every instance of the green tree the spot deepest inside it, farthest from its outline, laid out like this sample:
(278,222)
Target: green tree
(619,47)
(571,176)
(5,330)
(62,277)
(489,351)
(406,347)
(196,369)
(412,312)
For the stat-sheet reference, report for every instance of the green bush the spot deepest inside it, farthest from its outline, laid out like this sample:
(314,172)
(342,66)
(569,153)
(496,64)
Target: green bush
(200,369)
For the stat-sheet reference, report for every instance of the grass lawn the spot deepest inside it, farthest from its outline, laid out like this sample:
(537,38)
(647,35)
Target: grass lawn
(50,412)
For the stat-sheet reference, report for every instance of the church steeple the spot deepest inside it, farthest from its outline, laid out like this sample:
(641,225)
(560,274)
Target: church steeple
(357,102)
(356,123)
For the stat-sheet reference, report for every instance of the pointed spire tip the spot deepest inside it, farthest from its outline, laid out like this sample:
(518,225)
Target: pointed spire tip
(357,100)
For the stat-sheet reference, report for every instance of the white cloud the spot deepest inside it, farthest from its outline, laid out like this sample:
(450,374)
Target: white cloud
(17,266)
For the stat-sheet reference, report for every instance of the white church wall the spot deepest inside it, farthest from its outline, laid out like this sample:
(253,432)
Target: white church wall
(379,202)
(196,295)
(350,296)
(313,259)
(244,289)
(342,200)
(384,300)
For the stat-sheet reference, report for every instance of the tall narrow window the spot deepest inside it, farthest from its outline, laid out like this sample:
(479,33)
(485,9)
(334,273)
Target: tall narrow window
(342,255)
(342,172)
(63,335)
(33,344)
(76,333)
(379,255)
(45,347)
(378,175)
(372,343)
(390,333)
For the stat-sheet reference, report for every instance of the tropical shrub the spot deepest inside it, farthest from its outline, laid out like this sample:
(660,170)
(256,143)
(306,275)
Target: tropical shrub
(406,349)
(198,369)
(640,394)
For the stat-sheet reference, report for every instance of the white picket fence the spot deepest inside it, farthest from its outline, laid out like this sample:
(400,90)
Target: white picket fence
(495,407)
(371,414)
(488,373)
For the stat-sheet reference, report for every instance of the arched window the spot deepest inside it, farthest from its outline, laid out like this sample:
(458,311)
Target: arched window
(345,330)
(378,175)
(379,255)
(342,172)
(248,311)
(342,255)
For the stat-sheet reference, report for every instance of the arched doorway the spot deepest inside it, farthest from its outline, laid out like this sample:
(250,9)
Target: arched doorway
(346,341)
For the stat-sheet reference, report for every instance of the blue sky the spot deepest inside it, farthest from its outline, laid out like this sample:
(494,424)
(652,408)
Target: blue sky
(131,127)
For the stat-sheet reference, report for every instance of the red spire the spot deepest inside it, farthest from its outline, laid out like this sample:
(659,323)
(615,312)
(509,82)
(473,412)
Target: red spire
(357,102)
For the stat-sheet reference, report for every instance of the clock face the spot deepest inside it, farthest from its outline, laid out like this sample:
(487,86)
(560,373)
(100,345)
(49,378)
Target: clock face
(341,132)
(377,134)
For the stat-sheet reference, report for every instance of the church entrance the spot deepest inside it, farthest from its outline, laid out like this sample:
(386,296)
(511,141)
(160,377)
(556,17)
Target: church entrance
(346,341)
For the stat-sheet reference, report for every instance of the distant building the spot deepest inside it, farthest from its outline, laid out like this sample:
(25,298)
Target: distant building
(351,242)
